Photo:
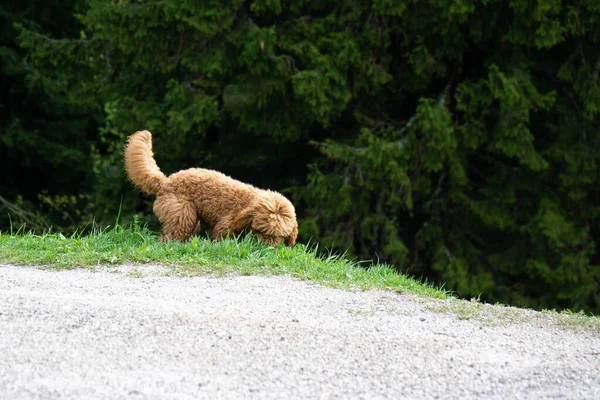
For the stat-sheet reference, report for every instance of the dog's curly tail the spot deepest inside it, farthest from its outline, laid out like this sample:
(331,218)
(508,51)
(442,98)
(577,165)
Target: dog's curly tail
(140,165)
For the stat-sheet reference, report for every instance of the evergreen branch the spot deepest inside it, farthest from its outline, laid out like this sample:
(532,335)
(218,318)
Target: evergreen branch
(397,143)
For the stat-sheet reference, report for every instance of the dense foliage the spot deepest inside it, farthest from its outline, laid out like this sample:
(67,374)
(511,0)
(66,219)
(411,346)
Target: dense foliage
(457,139)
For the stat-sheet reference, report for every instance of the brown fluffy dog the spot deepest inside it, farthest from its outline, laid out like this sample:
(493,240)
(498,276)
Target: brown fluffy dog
(199,198)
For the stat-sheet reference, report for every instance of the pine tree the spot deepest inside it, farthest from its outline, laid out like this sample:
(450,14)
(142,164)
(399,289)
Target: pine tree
(44,140)
(487,178)
(457,139)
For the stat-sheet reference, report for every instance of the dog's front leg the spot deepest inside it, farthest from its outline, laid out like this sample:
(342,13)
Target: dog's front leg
(221,230)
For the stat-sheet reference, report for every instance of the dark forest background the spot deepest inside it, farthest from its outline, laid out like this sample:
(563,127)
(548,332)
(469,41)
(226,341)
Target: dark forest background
(458,140)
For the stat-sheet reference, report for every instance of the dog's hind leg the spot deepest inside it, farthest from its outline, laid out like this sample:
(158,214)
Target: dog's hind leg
(177,217)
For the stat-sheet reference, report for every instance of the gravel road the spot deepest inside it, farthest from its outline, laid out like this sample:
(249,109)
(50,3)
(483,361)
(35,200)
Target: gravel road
(111,335)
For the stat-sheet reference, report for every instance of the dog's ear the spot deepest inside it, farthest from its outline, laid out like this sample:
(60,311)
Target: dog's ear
(242,221)
(291,240)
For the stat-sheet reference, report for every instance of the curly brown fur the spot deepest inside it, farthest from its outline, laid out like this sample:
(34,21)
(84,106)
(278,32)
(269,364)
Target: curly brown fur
(197,198)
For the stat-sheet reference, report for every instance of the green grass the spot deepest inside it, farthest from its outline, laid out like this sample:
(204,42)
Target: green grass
(199,256)
(246,256)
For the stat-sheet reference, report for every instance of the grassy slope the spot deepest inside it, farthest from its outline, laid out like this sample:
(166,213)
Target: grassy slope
(201,257)
(247,257)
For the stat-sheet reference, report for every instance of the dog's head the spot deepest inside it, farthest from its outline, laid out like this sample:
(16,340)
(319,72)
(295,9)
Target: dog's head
(271,218)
